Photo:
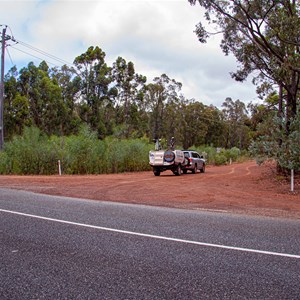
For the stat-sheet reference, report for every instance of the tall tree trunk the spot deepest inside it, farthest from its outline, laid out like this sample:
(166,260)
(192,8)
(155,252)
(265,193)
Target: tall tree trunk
(280,116)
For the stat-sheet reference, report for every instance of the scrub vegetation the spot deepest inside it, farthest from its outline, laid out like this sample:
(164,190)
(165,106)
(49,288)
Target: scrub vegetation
(36,153)
(97,118)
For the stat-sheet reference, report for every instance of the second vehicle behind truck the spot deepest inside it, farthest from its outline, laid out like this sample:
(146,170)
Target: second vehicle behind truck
(194,163)
(178,161)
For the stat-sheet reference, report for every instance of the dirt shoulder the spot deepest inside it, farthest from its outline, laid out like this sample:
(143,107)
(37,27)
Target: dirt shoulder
(240,188)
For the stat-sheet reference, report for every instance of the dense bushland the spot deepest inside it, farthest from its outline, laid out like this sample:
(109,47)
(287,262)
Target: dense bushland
(115,101)
(35,153)
(97,118)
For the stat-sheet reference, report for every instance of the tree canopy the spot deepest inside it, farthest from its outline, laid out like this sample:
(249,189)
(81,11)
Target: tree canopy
(264,38)
(112,101)
(116,101)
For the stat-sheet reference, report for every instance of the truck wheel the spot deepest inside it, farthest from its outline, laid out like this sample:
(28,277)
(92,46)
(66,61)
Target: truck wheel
(178,171)
(194,171)
(202,170)
(156,172)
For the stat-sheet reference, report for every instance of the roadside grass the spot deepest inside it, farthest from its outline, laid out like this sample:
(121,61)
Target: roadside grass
(36,153)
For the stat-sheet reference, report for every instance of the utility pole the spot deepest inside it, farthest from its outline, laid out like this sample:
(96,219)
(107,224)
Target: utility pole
(2,89)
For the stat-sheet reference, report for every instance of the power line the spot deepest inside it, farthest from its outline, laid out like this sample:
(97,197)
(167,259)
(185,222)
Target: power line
(9,56)
(51,56)
(32,55)
(35,49)
(32,48)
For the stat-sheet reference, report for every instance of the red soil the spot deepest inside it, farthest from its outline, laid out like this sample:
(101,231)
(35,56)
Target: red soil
(240,188)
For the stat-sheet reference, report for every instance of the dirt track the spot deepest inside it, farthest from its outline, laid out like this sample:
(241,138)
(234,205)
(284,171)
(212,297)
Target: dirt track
(241,188)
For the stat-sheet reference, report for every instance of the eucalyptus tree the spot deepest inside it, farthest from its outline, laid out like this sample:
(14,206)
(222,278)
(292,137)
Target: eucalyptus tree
(16,107)
(237,124)
(96,94)
(129,86)
(28,85)
(11,83)
(69,84)
(264,37)
(287,152)
(46,108)
(17,115)
(262,115)
(214,120)
(158,94)
(173,122)
(155,109)
(194,125)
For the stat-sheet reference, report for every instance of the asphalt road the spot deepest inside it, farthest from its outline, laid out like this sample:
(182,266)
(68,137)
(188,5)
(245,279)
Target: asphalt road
(65,248)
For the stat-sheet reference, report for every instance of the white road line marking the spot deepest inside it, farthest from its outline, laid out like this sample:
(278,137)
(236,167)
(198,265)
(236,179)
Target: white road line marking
(155,236)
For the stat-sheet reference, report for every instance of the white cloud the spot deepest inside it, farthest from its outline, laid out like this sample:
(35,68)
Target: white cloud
(157,36)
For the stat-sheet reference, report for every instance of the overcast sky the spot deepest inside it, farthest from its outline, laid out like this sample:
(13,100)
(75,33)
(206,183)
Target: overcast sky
(156,35)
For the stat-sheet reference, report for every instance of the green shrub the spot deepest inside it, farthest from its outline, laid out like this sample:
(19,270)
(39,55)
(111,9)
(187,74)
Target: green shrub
(4,163)
(220,159)
(219,156)
(36,153)
(127,155)
(81,154)
(30,153)
(234,153)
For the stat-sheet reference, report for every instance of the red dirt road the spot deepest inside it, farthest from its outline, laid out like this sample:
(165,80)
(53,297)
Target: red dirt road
(240,188)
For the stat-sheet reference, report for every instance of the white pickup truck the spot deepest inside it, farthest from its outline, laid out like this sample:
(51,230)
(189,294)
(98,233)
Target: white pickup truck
(170,159)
